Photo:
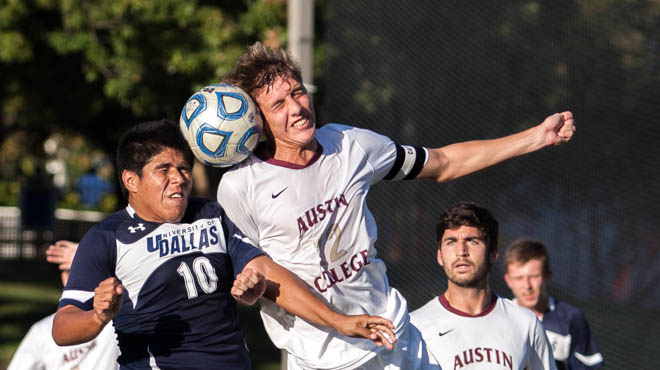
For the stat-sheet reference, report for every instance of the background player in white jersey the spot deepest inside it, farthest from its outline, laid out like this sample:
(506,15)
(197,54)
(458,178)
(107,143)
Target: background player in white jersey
(527,274)
(163,270)
(302,198)
(468,326)
(38,350)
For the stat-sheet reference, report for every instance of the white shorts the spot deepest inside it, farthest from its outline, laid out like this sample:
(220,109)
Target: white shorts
(409,353)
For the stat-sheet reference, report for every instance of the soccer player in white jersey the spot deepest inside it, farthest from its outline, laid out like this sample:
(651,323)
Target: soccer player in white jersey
(527,274)
(164,270)
(468,326)
(302,199)
(38,350)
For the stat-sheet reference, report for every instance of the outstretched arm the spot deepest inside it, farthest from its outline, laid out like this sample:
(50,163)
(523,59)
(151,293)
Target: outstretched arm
(289,292)
(457,160)
(74,326)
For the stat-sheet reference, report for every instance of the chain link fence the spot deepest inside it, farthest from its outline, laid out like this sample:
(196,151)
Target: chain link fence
(431,73)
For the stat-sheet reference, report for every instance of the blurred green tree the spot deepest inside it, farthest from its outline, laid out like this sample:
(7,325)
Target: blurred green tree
(93,68)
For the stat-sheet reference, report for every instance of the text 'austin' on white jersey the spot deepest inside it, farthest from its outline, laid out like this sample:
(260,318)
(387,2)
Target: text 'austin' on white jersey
(38,351)
(314,220)
(504,336)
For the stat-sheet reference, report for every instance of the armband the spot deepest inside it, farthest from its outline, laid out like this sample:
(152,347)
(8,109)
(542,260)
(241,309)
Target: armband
(408,163)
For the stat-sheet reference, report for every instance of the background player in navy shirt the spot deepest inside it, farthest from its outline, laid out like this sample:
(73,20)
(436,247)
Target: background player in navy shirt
(527,274)
(165,268)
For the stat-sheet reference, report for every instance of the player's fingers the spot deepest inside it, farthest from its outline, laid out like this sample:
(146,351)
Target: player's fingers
(385,331)
(54,258)
(377,320)
(102,303)
(239,285)
(111,281)
(236,292)
(382,339)
(256,278)
(104,294)
(239,294)
(53,251)
(566,132)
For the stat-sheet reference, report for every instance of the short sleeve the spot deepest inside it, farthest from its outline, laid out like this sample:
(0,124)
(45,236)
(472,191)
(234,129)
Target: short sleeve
(93,263)
(241,250)
(389,160)
(230,201)
(584,352)
(380,150)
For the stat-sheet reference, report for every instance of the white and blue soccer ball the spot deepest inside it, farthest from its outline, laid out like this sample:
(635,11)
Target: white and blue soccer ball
(222,125)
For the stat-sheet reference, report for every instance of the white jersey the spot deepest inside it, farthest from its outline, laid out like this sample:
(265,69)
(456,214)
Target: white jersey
(38,351)
(504,336)
(314,220)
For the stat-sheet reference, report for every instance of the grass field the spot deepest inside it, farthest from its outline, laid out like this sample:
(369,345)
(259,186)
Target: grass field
(30,290)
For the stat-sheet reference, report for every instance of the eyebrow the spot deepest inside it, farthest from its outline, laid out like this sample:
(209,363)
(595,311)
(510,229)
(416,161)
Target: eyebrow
(163,165)
(469,238)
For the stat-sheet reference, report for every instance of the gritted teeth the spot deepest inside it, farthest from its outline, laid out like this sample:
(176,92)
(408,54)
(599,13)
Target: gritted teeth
(176,195)
(300,123)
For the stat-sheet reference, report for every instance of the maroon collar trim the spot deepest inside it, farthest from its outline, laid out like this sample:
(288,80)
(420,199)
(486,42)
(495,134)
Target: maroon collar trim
(276,162)
(445,303)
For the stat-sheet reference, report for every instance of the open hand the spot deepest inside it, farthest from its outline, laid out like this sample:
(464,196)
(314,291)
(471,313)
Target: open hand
(375,328)
(248,286)
(62,253)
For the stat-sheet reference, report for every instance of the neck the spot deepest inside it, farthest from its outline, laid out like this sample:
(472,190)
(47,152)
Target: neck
(541,306)
(471,300)
(293,154)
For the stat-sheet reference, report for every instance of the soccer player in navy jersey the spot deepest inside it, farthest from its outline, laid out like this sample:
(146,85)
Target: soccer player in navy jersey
(527,274)
(166,270)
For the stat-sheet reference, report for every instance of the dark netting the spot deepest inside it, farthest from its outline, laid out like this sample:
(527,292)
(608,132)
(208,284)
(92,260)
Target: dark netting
(431,73)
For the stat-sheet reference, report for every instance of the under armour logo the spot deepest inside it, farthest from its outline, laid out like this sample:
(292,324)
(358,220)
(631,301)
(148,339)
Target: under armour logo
(140,227)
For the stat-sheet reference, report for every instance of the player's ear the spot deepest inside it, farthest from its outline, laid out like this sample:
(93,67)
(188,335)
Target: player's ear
(548,275)
(493,256)
(507,278)
(440,260)
(131,180)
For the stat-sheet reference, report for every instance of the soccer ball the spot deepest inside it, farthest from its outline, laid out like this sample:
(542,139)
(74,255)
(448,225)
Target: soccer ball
(222,125)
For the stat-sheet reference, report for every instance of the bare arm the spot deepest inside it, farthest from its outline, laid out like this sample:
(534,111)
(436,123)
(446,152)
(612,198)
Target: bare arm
(289,292)
(457,160)
(74,326)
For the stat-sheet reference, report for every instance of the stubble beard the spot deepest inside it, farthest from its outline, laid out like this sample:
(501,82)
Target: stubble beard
(470,280)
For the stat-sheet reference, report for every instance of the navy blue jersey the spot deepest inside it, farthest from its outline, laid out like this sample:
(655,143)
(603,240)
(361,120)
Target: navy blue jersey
(568,332)
(177,310)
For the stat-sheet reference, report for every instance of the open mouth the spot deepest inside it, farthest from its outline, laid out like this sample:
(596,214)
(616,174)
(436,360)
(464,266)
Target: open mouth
(177,196)
(301,123)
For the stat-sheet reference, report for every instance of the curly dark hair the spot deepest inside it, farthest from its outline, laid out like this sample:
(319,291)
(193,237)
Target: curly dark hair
(469,214)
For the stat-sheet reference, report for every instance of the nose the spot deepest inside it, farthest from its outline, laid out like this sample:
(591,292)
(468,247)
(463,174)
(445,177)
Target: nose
(295,107)
(177,176)
(462,250)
